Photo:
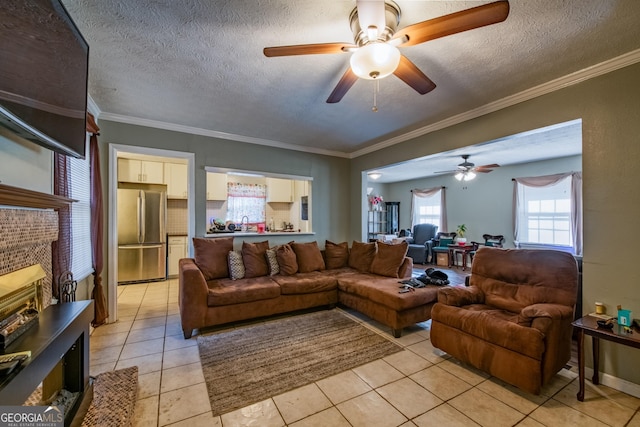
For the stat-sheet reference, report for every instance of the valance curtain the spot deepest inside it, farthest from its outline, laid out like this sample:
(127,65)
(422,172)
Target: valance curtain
(246,200)
(101,312)
(546,181)
(418,194)
(61,248)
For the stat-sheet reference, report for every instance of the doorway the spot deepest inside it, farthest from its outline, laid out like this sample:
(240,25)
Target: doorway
(184,174)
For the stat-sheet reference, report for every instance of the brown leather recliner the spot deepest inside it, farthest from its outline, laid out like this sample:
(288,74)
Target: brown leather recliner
(514,319)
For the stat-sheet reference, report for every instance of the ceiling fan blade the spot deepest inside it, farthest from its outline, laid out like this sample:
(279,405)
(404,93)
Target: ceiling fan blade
(308,49)
(482,170)
(345,83)
(447,171)
(454,23)
(494,165)
(411,75)
(371,14)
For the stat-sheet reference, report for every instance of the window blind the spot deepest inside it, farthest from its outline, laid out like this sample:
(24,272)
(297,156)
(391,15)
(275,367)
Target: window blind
(80,188)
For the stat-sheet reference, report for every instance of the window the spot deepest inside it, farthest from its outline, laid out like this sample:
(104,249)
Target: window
(427,207)
(548,212)
(246,200)
(80,189)
(428,213)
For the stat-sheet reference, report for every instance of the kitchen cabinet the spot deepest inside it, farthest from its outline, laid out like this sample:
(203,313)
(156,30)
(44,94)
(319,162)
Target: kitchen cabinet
(216,186)
(148,172)
(301,188)
(177,249)
(175,177)
(279,190)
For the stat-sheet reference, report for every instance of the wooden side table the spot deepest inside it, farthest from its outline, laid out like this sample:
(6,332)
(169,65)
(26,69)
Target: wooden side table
(454,250)
(587,326)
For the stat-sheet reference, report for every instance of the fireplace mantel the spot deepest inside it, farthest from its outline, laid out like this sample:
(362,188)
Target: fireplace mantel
(14,196)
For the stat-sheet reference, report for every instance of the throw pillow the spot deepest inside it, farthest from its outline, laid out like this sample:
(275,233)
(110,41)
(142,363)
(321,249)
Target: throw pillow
(254,259)
(444,243)
(336,254)
(236,266)
(308,256)
(211,256)
(389,258)
(286,260)
(361,256)
(272,261)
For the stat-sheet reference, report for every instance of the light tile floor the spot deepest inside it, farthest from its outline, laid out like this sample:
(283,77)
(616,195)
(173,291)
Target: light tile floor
(416,387)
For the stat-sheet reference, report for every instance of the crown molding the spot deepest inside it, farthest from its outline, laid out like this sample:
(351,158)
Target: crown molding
(217,134)
(92,107)
(608,66)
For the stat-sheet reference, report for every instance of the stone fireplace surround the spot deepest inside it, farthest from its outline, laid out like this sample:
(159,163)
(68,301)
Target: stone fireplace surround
(26,237)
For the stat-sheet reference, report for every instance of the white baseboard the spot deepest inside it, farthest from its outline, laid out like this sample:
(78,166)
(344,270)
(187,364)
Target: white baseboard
(619,384)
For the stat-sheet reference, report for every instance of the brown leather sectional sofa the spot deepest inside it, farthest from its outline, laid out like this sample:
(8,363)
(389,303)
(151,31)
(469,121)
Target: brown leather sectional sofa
(216,288)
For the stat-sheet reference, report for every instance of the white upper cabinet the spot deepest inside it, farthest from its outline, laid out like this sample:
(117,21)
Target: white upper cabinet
(216,186)
(279,190)
(147,172)
(175,177)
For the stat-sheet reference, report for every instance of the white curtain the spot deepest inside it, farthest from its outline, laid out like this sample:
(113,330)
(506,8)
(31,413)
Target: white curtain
(246,200)
(419,195)
(546,181)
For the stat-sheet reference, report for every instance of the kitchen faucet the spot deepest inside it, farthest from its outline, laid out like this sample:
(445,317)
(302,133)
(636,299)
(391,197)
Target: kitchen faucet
(245,227)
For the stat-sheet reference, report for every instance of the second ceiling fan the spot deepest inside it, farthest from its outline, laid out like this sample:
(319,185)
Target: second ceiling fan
(466,170)
(376,40)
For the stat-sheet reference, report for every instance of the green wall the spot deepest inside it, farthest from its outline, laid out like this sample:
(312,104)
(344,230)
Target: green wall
(610,111)
(25,164)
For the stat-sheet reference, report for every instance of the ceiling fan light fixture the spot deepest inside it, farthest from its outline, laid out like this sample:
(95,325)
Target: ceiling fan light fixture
(375,61)
(465,175)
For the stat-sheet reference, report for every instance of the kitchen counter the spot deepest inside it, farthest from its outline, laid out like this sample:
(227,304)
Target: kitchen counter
(256,234)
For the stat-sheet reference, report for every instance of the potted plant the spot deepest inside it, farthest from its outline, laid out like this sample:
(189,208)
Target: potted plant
(460,232)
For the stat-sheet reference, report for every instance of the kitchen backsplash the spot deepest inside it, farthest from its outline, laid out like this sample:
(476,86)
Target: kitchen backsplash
(177,216)
(280,212)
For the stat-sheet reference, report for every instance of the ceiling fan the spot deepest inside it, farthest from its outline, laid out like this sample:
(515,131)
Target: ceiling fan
(466,170)
(376,40)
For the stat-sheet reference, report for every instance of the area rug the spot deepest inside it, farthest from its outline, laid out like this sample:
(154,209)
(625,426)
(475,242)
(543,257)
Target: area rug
(248,365)
(114,399)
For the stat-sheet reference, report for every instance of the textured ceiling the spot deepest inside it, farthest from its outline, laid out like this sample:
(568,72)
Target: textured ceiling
(199,64)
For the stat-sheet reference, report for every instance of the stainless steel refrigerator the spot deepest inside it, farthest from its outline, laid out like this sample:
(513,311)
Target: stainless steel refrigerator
(142,246)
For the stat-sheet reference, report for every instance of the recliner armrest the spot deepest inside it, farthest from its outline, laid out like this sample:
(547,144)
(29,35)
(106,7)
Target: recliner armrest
(459,296)
(540,316)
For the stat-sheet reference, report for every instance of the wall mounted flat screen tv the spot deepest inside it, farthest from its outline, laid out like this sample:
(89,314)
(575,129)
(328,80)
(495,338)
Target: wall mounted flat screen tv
(44,64)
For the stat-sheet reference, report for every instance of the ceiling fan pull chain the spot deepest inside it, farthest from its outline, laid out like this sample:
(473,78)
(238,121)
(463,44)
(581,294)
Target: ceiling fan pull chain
(376,88)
